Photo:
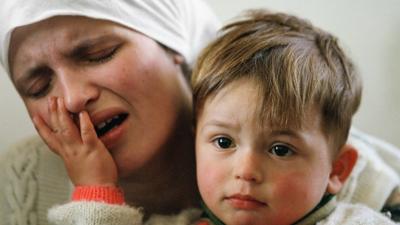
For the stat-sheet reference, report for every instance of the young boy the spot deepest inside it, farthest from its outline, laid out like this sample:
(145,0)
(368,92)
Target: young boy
(274,98)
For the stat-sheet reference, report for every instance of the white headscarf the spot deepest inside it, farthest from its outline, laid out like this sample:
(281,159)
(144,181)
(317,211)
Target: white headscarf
(184,26)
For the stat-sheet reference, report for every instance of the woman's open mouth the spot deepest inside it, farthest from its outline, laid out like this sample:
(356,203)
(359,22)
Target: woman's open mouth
(106,126)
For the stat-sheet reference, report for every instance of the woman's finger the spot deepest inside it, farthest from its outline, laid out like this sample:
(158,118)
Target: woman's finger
(88,132)
(52,112)
(69,130)
(46,133)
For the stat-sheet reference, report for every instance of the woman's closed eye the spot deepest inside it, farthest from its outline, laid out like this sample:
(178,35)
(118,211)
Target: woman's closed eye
(281,151)
(39,88)
(224,143)
(39,84)
(102,55)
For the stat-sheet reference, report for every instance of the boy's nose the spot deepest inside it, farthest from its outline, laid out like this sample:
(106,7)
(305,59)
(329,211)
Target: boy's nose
(78,91)
(248,168)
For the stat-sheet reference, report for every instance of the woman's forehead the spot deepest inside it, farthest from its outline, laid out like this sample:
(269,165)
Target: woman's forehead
(64,26)
(61,34)
(69,28)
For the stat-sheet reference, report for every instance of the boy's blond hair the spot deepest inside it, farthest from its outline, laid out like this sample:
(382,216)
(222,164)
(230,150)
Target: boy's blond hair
(295,65)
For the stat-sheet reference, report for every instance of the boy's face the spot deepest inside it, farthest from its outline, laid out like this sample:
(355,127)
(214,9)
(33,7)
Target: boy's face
(253,174)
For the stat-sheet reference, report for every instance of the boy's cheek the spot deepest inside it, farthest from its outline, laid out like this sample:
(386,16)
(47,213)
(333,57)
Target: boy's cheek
(289,187)
(208,178)
(296,190)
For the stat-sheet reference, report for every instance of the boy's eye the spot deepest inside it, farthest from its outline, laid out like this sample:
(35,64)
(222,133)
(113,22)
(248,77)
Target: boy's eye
(223,142)
(281,151)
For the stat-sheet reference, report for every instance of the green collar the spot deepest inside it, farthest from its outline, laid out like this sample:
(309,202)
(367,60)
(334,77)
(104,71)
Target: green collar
(325,199)
(215,221)
(209,215)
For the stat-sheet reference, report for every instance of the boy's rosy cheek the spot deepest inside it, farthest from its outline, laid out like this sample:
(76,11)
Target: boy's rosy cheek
(208,180)
(296,191)
(291,187)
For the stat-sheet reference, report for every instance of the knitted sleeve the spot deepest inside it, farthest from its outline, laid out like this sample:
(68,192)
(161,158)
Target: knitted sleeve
(94,213)
(99,205)
(106,194)
(95,205)
(99,213)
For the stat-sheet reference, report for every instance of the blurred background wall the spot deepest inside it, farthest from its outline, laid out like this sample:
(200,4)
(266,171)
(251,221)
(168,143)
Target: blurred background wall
(369,30)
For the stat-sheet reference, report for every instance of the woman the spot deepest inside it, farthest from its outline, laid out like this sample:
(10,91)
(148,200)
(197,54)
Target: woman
(122,62)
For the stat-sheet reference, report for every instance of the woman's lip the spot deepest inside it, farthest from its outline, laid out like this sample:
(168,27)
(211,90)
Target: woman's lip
(111,137)
(105,115)
(245,202)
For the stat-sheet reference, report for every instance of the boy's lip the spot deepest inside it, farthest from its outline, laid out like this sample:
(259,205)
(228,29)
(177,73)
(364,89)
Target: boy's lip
(244,202)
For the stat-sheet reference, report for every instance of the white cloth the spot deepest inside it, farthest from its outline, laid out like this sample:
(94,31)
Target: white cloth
(376,173)
(335,213)
(355,214)
(185,26)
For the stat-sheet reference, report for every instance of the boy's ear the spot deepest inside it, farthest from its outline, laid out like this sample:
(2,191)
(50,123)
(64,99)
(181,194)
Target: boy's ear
(341,168)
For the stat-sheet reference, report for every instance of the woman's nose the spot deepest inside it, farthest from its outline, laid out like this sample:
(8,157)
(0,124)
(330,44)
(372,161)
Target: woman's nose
(248,168)
(78,91)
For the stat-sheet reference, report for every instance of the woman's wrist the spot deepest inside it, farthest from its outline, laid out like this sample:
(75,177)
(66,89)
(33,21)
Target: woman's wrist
(106,194)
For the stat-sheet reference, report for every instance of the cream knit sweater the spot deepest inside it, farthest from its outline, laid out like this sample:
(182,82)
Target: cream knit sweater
(96,213)
(32,179)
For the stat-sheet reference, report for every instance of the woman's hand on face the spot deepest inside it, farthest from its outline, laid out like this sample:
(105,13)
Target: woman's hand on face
(87,160)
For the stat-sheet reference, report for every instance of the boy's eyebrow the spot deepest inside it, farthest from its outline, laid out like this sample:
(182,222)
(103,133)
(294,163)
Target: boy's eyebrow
(219,123)
(286,132)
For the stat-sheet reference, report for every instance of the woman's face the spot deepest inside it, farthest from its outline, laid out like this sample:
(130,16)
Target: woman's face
(133,90)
